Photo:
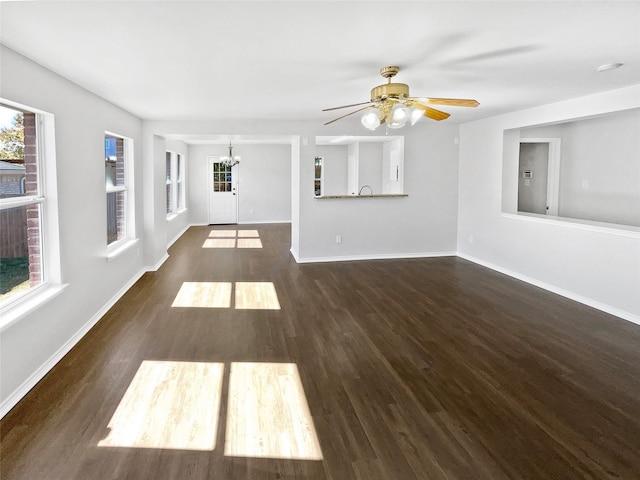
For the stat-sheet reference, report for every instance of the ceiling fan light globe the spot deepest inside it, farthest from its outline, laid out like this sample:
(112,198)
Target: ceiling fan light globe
(399,116)
(371,119)
(398,112)
(415,114)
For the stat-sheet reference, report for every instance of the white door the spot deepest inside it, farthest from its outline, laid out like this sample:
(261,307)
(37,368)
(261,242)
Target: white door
(222,185)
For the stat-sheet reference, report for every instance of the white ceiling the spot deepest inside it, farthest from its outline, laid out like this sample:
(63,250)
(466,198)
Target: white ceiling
(289,60)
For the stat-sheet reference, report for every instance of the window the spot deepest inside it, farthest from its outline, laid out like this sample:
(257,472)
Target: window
(22,202)
(180,182)
(118,173)
(169,167)
(175,182)
(317,177)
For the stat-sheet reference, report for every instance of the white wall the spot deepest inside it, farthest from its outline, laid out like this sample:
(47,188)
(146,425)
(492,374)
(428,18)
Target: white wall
(264,182)
(370,164)
(422,224)
(32,344)
(599,167)
(596,265)
(334,168)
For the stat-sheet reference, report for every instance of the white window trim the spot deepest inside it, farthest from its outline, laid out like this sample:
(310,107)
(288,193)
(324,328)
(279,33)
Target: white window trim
(14,309)
(177,204)
(115,248)
(171,180)
(122,246)
(182,199)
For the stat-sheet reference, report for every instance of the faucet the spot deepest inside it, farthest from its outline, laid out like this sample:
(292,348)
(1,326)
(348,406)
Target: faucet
(363,187)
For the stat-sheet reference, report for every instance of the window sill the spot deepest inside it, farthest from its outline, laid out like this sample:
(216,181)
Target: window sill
(22,307)
(174,215)
(376,195)
(611,228)
(118,248)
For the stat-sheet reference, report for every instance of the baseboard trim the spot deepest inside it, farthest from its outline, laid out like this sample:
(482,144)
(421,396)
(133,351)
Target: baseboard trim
(156,267)
(177,237)
(12,400)
(262,221)
(603,307)
(374,256)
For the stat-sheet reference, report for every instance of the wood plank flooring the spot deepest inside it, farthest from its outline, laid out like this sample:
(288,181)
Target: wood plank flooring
(412,369)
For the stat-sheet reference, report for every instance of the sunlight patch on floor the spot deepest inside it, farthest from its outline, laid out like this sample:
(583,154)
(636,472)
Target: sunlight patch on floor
(169,405)
(219,243)
(249,243)
(268,415)
(256,296)
(227,239)
(248,233)
(222,233)
(204,295)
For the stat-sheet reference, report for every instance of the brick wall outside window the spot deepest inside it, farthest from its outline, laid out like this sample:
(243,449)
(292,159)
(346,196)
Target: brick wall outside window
(31,188)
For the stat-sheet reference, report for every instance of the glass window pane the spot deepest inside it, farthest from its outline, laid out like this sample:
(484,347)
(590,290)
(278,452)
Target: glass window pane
(114,161)
(168,165)
(20,250)
(18,152)
(179,167)
(169,209)
(180,195)
(116,222)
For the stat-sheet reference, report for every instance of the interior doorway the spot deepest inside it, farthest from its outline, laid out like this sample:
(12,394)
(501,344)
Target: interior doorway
(222,186)
(539,176)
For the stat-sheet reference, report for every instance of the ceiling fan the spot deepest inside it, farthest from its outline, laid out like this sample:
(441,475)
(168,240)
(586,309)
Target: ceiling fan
(391,104)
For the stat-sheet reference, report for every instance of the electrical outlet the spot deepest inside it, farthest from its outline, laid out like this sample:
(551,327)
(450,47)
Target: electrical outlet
(470,239)
(338,238)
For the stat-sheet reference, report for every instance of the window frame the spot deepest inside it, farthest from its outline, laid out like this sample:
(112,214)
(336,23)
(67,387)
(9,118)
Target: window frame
(169,175)
(17,306)
(175,180)
(180,182)
(129,197)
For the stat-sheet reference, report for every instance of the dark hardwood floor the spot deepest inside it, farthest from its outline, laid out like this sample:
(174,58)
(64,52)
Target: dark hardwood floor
(413,369)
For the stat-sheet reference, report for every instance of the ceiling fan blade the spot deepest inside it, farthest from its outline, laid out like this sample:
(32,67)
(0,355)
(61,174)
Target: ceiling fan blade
(351,113)
(435,114)
(432,112)
(346,106)
(452,102)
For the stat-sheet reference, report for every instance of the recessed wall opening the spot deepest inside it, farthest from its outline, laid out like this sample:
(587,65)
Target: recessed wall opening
(584,171)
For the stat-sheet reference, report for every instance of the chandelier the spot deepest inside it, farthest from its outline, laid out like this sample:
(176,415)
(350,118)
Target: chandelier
(230,160)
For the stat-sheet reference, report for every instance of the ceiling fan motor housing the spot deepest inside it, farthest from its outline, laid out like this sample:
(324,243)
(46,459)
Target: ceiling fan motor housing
(389,90)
